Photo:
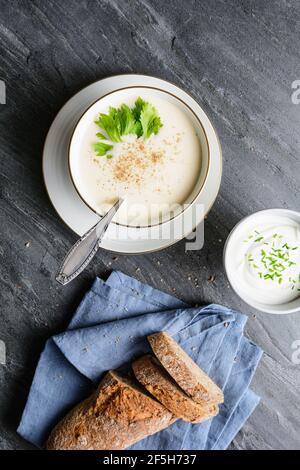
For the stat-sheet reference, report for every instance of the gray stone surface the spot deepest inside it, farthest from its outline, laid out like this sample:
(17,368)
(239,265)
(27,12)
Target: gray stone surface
(238,59)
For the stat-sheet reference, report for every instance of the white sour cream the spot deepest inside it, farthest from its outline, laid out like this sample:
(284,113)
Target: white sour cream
(265,260)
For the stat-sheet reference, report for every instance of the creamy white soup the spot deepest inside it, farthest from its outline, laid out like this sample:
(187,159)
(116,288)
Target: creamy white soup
(153,175)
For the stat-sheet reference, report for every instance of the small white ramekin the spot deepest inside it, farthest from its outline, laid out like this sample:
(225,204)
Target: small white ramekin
(289,307)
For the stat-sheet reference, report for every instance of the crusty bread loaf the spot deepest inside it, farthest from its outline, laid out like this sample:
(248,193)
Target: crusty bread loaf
(160,384)
(184,370)
(116,416)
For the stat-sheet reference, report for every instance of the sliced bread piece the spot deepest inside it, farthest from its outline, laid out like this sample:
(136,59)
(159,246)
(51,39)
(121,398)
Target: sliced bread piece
(160,384)
(193,381)
(116,416)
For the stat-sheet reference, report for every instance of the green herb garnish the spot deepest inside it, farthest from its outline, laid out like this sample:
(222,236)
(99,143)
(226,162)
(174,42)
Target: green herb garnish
(101,136)
(273,264)
(111,124)
(138,107)
(142,120)
(150,121)
(101,148)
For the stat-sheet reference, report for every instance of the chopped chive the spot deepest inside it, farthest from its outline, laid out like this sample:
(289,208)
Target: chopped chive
(275,261)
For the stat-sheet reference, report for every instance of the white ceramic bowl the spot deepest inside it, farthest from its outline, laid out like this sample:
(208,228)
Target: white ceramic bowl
(289,307)
(70,206)
(126,95)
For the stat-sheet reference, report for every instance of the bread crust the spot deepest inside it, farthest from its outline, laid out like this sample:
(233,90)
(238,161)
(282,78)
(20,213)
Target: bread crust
(160,384)
(188,375)
(116,416)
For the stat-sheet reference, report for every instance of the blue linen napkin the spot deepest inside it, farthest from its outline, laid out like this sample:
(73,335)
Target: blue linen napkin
(109,329)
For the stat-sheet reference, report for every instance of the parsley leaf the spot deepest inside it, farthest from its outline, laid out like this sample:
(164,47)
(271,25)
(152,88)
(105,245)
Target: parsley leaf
(142,120)
(150,120)
(110,123)
(101,136)
(101,148)
(138,106)
(126,120)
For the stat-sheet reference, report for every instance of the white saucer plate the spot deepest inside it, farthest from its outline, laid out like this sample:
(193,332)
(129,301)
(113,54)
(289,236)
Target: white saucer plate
(64,197)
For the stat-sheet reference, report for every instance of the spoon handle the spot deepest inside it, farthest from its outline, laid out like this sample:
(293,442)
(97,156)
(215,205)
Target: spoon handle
(85,248)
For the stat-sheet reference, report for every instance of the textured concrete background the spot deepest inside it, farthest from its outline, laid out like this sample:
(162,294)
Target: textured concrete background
(238,59)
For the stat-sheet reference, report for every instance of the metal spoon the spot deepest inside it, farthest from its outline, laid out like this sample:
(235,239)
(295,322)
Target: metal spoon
(85,248)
